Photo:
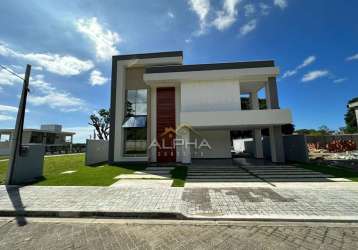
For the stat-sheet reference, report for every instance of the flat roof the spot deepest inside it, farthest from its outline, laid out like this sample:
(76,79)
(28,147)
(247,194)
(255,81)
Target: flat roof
(10,130)
(212,66)
(149,55)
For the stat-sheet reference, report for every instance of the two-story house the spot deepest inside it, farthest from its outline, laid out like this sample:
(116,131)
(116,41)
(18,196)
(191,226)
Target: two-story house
(164,111)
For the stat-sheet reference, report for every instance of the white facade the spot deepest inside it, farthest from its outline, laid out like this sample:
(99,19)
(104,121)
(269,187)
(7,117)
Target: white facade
(207,102)
(210,96)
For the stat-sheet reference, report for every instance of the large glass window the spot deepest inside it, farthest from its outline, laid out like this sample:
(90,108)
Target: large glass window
(136,102)
(135,141)
(135,123)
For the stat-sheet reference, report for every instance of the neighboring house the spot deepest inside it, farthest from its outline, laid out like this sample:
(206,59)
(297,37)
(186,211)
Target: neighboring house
(50,135)
(354,105)
(154,97)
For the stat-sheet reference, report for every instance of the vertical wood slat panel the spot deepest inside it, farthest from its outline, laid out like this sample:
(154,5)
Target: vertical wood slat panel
(166,120)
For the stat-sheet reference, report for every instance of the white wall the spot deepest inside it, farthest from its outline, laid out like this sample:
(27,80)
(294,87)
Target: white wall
(96,151)
(4,148)
(237,118)
(210,95)
(219,140)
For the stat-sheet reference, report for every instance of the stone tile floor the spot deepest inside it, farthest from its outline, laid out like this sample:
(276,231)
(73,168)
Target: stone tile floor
(325,203)
(118,234)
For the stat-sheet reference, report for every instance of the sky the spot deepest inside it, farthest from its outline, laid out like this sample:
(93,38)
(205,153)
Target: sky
(70,44)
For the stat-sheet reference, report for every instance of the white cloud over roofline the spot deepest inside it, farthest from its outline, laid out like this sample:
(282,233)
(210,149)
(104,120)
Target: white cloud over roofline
(65,65)
(104,40)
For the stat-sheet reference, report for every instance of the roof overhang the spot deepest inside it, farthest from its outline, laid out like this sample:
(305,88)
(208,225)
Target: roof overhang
(244,75)
(150,59)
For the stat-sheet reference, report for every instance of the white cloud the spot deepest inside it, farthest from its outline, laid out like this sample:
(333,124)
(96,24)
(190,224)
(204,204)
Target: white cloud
(104,39)
(339,80)
(201,8)
(227,16)
(63,101)
(309,60)
(96,78)
(6,78)
(170,14)
(6,118)
(280,3)
(248,27)
(313,75)
(353,57)
(265,9)
(39,83)
(249,9)
(46,94)
(63,65)
(289,73)
(188,40)
(6,108)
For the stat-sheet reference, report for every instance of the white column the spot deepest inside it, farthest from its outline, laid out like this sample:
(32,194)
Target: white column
(44,136)
(254,101)
(272,145)
(356,110)
(153,132)
(71,143)
(276,144)
(120,109)
(268,95)
(258,143)
(186,154)
(177,121)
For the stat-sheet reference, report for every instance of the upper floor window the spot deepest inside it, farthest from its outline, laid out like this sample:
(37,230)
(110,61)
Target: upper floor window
(136,102)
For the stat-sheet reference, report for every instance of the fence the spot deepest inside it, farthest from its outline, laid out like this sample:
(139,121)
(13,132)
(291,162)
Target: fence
(295,148)
(96,151)
(326,139)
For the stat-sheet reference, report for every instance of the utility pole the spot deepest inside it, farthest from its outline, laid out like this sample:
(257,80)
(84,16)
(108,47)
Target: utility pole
(16,141)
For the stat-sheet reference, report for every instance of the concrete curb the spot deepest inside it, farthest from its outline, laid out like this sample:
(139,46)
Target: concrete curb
(175,216)
(92,214)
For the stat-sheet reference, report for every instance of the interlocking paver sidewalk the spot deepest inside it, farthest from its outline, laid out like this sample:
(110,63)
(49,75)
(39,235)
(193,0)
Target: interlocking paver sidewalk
(331,203)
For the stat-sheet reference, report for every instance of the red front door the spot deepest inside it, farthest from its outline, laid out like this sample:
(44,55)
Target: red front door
(166,124)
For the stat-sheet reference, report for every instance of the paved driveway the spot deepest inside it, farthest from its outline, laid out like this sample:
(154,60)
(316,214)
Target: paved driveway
(293,203)
(242,172)
(114,234)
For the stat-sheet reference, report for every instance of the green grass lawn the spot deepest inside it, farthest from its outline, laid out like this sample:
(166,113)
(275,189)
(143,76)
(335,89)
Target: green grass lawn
(3,157)
(84,176)
(338,172)
(179,175)
(3,169)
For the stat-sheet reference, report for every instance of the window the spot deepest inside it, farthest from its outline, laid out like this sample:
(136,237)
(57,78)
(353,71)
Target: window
(135,123)
(50,138)
(135,141)
(136,102)
(36,137)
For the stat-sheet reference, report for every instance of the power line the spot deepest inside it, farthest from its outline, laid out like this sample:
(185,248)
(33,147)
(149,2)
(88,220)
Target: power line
(11,72)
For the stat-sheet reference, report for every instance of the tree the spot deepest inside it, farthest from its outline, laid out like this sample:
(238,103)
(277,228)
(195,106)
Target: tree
(288,129)
(245,103)
(350,119)
(322,130)
(100,122)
